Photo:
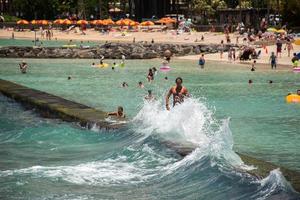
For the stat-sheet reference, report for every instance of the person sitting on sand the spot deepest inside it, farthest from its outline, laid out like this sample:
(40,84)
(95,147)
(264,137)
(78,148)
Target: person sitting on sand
(178,91)
(253,66)
(23,67)
(119,113)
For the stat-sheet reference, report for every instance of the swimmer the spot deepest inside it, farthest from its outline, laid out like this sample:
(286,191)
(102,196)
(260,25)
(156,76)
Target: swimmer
(250,81)
(150,76)
(202,61)
(270,81)
(93,65)
(298,92)
(253,66)
(69,77)
(178,91)
(123,58)
(120,113)
(166,78)
(23,67)
(141,85)
(154,70)
(150,96)
(101,59)
(124,84)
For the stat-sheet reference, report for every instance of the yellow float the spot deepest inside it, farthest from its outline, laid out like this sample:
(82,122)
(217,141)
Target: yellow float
(293,98)
(104,65)
(297,42)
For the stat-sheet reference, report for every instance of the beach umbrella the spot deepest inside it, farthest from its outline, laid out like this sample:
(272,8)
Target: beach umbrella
(272,30)
(147,23)
(67,22)
(94,22)
(34,22)
(43,22)
(80,22)
(58,21)
(108,22)
(22,21)
(100,22)
(123,22)
(280,31)
(133,23)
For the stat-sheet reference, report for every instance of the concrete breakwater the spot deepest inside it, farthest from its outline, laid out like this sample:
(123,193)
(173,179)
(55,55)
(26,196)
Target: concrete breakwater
(111,51)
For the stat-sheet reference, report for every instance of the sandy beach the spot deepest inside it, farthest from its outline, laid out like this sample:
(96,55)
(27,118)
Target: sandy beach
(160,37)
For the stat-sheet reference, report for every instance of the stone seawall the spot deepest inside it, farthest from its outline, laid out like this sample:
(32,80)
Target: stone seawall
(110,51)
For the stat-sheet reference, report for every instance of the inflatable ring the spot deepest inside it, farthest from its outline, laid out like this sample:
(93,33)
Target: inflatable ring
(293,98)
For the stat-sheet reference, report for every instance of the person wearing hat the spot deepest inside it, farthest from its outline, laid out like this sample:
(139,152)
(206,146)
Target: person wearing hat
(23,67)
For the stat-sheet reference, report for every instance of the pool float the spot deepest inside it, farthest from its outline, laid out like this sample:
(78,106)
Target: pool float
(165,68)
(296,70)
(104,65)
(70,45)
(293,98)
(122,64)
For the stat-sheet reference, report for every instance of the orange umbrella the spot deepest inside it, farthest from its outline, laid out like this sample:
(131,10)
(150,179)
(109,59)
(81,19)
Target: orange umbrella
(100,22)
(123,22)
(94,22)
(34,22)
(22,21)
(58,21)
(67,22)
(80,22)
(108,22)
(147,23)
(133,23)
(43,22)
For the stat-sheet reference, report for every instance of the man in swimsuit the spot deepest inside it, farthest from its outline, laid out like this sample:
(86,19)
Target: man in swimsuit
(178,91)
(120,113)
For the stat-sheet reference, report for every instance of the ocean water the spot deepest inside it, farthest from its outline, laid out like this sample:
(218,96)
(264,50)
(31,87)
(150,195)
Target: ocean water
(51,159)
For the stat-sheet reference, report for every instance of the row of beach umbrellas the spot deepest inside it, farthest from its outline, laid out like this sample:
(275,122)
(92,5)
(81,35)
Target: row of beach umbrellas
(105,22)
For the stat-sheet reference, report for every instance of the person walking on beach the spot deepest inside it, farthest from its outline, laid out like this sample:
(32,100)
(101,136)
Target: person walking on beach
(289,47)
(278,47)
(23,67)
(222,49)
(273,60)
(178,91)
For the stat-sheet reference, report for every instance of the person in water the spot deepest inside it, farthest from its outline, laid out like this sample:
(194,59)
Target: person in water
(150,96)
(124,84)
(178,91)
(141,85)
(23,67)
(253,66)
(150,76)
(202,61)
(119,113)
(298,92)
(273,60)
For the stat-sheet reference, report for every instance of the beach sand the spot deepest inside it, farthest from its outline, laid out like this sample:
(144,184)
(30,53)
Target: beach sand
(160,37)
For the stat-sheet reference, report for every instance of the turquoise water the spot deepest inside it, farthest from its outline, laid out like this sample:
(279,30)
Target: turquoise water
(43,159)
(44,43)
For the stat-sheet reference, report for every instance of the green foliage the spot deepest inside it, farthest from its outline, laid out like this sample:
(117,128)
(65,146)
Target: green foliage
(207,7)
(9,18)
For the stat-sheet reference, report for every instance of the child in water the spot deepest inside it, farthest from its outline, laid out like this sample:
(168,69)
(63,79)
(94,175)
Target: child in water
(253,66)
(119,113)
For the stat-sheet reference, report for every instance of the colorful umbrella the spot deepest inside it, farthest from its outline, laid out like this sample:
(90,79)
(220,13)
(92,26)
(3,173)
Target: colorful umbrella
(80,22)
(123,22)
(67,22)
(133,23)
(58,21)
(108,22)
(22,21)
(147,23)
(34,22)
(43,22)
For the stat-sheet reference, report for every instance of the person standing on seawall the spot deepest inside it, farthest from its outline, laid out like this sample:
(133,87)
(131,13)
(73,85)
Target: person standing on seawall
(178,91)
